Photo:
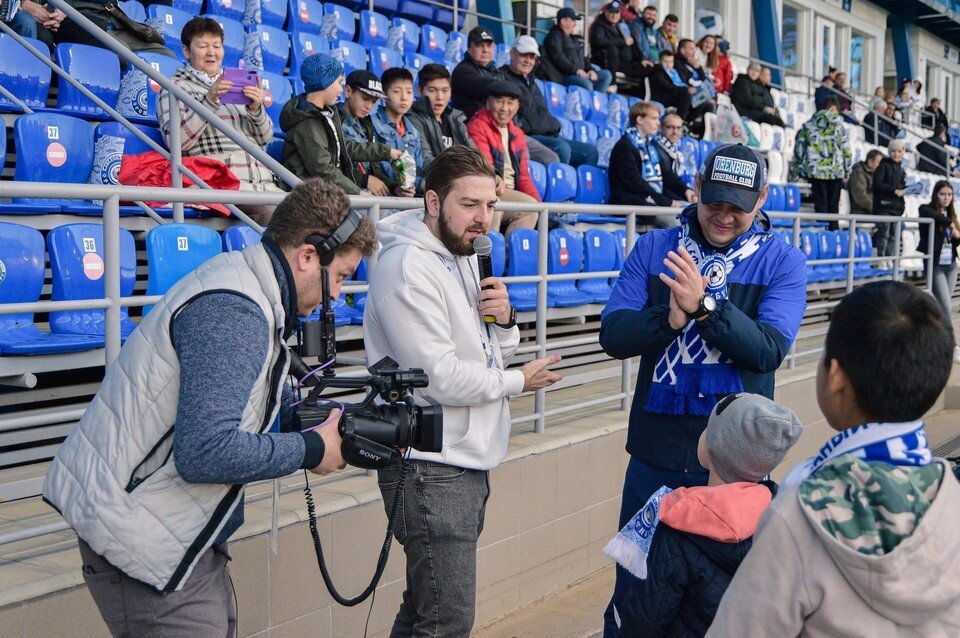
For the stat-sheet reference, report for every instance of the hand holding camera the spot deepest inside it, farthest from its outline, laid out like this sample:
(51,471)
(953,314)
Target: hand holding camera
(329,431)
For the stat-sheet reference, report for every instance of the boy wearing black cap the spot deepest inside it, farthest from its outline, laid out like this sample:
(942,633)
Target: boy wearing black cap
(704,532)
(711,307)
(363,92)
(315,145)
(475,72)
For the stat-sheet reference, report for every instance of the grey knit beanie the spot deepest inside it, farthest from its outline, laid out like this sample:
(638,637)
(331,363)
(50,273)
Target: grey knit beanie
(748,435)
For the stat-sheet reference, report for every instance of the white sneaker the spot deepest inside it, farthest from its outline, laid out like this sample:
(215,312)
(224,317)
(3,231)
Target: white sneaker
(956,354)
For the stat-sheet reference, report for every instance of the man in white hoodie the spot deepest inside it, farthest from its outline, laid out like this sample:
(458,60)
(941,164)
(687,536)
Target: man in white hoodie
(426,308)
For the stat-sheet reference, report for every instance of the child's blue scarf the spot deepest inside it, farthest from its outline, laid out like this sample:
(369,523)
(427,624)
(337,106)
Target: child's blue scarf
(649,157)
(691,375)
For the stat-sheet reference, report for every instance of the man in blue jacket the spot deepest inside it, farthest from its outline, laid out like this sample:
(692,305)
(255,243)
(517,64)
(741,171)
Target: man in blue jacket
(711,307)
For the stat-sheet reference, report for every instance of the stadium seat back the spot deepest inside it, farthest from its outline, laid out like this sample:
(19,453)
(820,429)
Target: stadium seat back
(598,108)
(523,262)
(411,34)
(620,236)
(352,55)
(592,187)
(498,255)
(277,91)
(229,9)
(267,48)
(775,198)
(565,256)
(138,93)
(374,28)
(791,197)
(170,22)
(561,182)
(382,59)
(600,254)
(77,272)
(556,96)
(239,237)
(96,69)
(585,132)
(191,7)
(443,18)
(303,45)
(578,94)
(234,39)
(113,140)
(433,42)
(567,131)
(173,250)
(273,13)
(22,74)
(133,10)
(415,62)
(417,12)
(52,147)
(538,173)
(344,27)
(305,16)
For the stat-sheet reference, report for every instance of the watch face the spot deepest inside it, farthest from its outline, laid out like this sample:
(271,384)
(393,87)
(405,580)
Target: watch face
(709,303)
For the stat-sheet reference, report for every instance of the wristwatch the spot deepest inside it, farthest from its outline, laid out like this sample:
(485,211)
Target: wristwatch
(707,305)
(511,322)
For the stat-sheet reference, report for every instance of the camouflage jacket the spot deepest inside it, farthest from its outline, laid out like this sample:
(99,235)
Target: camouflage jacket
(822,149)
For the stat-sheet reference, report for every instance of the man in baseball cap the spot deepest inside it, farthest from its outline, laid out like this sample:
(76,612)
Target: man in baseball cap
(713,305)
(566,56)
(472,76)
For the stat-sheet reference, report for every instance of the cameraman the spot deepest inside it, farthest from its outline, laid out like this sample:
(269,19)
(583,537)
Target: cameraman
(425,309)
(152,477)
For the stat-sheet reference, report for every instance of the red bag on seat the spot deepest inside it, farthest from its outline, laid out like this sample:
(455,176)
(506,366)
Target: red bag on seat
(151,169)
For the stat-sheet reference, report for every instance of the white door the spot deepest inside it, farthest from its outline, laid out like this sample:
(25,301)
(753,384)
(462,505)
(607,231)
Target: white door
(825,44)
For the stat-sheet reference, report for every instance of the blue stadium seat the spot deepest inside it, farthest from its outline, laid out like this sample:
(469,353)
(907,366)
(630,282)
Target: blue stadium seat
(229,9)
(501,54)
(170,22)
(433,42)
(586,133)
(556,96)
(346,26)
(567,131)
(810,246)
(541,86)
(274,46)
(77,272)
(498,255)
(173,250)
(462,38)
(138,93)
(415,62)
(303,46)
(96,69)
(23,74)
(239,237)
(538,173)
(624,108)
(592,187)
(843,250)
(791,198)
(111,141)
(382,59)
(443,17)
(374,28)
(565,257)
(234,39)
(776,202)
(356,302)
(417,12)
(273,13)
(561,182)
(585,98)
(611,132)
(598,108)
(191,7)
(306,16)
(621,238)
(865,249)
(274,149)
(690,150)
(133,10)
(600,254)
(22,256)
(276,92)
(523,263)
(411,34)
(351,54)
(829,249)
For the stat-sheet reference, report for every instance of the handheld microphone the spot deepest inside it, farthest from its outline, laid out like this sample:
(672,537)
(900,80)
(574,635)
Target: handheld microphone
(483,246)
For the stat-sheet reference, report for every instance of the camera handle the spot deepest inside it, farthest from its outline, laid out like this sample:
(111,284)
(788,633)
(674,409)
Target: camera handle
(384,551)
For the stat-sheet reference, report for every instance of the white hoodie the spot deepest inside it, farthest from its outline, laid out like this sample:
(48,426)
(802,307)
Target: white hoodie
(422,311)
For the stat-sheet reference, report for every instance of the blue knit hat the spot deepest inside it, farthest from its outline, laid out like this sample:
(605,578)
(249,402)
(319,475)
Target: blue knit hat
(319,71)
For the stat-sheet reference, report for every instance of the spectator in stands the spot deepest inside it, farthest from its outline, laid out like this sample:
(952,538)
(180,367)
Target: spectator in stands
(315,144)
(893,118)
(534,116)
(934,115)
(668,140)
(860,183)
(392,127)
(946,240)
(844,99)
(202,79)
(889,187)
(822,155)
(668,87)
(152,478)
(723,77)
(703,533)
(769,104)
(863,536)
(504,145)
(696,76)
(662,311)
(425,278)
(667,33)
(716,63)
(752,100)
(650,39)
(878,92)
(473,75)
(877,128)
(567,57)
(933,153)
(441,126)
(611,47)
(32,20)
(639,174)
(823,91)
(103,14)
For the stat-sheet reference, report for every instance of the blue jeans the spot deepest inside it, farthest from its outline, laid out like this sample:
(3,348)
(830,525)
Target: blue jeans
(604,79)
(640,483)
(569,151)
(24,24)
(944,281)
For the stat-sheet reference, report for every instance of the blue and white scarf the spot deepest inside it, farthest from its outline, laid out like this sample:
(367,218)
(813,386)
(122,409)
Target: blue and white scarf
(691,375)
(631,546)
(650,171)
(893,443)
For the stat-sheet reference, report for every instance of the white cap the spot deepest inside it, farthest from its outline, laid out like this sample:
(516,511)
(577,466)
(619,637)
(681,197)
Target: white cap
(526,44)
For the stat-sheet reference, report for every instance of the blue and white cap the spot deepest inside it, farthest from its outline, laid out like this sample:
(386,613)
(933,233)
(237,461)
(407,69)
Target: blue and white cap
(734,174)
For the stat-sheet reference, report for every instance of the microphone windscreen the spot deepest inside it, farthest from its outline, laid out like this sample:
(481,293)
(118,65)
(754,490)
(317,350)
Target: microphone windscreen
(482,245)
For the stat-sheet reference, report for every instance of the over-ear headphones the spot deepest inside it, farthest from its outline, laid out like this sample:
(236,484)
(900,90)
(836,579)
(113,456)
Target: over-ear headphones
(326,246)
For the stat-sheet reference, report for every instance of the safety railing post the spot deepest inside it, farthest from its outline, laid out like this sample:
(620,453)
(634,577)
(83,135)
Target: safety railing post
(896,250)
(176,154)
(626,366)
(111,277)
(373,214)
(540,399)
(929,258)
(851,252)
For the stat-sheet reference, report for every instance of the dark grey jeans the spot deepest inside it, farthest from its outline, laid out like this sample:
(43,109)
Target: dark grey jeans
(443,508)
(204,608)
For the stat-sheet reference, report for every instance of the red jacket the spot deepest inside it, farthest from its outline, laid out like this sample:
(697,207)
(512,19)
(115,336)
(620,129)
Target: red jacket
(151,169)
(723,75)
(486,134)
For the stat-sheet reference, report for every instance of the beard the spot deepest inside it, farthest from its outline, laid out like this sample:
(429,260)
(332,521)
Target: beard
(456,244)
(649,22)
